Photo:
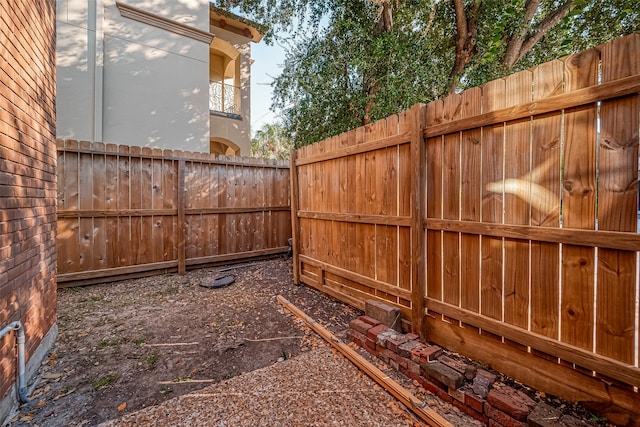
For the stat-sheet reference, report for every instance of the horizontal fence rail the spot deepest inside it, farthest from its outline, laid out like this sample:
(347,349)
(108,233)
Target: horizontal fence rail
(126,211)
(502,221)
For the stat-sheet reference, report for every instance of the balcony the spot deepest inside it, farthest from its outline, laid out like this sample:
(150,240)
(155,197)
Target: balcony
(224,100)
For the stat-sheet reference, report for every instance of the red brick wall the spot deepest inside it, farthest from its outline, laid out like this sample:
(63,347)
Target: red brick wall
(27,175)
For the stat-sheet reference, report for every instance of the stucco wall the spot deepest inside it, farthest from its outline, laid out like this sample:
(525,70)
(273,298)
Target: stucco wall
(126,82)
(236,131)
(27,185)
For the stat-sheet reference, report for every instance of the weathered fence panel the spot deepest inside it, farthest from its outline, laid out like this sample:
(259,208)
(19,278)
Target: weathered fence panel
(125,211)
(508,227)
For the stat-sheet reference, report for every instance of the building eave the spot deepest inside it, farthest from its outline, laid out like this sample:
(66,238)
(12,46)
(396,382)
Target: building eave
(237,24)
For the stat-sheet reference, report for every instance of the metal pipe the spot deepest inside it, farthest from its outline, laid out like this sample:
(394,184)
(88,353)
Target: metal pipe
(18,329)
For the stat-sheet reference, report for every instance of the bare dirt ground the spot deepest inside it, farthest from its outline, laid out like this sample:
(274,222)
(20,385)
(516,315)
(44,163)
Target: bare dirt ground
(138,343)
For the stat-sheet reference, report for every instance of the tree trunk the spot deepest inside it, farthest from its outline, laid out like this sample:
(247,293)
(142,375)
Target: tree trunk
(384,24)
(466,39)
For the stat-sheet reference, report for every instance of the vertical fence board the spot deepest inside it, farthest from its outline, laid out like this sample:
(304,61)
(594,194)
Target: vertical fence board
(181,225)
(212,219)
(471,181)
(157,183)
(170,202)
(284,223)
(517,202)
(618,204)
(545,181)
(232,230)
(352,200)
(190,221)
(270,200)
(295,207)
(418,120)
(492,202)
(99,198)
(579,204)
(85,201)
(434,196)
(124,222)
(391,202)
(451,203)
(111,203)
(135,203)
(146,225)
(243,219)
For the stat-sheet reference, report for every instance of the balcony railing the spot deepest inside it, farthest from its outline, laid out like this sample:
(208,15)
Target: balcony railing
(224,98)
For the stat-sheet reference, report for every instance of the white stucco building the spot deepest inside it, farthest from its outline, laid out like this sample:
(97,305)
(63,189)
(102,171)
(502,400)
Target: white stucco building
(171,74)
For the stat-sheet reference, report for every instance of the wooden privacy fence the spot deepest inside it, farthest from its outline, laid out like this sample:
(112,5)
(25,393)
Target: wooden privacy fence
(502,221)
(126,211)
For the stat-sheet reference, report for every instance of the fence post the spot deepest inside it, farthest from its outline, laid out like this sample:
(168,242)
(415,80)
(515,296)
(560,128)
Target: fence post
(295,222)
(182,268)
(417,220)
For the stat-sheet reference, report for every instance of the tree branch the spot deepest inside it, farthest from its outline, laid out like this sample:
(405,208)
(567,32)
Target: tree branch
(461,23)
(515,42)
(519,46)
(385,18)
(432,17)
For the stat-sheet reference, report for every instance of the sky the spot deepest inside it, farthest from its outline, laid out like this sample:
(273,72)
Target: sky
(267,66)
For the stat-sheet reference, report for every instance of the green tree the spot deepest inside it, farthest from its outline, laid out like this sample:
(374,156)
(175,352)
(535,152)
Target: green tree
(367,63)
(271,142)
(351,62)
(494,38)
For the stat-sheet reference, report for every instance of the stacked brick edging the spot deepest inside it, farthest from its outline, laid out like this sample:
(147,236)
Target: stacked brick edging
(473,391)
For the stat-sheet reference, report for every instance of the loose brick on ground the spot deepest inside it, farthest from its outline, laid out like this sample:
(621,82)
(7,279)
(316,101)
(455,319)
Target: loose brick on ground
(415,353)
(470,372)
(402,361)
(396,341)
(445,374)
(357,336)
(383,337)
(457,394)
(385,313)
(474,401)
(370,345)
(481,386)
(413,367)
(512,401)
(480,416)
(501,417)
(405,349)
(369,320)
(453,364)
(359,326)
(373,333)
(426,353)
(491,378)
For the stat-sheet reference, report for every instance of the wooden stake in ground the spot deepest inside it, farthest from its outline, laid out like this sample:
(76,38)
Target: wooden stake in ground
(418,407)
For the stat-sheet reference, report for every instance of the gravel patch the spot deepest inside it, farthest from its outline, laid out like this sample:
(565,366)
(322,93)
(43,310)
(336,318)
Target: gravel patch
(316,388)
